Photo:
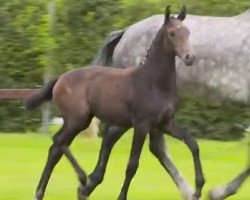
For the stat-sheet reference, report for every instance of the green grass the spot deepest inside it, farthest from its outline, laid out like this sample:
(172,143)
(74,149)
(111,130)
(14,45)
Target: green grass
(22,158)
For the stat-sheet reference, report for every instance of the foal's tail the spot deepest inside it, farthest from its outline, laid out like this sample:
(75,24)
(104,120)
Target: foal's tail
(37,99)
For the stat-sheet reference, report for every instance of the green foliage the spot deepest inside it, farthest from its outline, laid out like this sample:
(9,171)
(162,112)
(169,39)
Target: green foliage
(20,50)
(213,119)
(79,30)
(218,7)
(21,53)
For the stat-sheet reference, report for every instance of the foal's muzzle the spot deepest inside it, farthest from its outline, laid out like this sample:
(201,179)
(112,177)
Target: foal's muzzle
(189,59)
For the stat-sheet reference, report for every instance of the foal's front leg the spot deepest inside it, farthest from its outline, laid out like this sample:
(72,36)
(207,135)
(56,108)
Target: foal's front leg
(159,149)
(111,136)
(140,132)
(192,144)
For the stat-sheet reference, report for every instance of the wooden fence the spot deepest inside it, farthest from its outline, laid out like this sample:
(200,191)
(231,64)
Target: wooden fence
(16,93)
(13,94)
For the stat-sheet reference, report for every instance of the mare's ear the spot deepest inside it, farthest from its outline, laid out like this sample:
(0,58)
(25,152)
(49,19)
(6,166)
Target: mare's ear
(182,14)
(167,14)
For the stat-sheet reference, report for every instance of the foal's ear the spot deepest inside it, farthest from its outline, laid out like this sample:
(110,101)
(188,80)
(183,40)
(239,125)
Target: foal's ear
(167,14)
(182,14)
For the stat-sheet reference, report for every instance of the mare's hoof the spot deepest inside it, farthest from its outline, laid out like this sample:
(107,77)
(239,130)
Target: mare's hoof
(80,195)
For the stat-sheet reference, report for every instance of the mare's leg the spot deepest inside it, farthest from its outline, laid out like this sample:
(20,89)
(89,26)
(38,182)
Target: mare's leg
(158,148)
(64,137)
(140,132)
(111,136)
(192,144)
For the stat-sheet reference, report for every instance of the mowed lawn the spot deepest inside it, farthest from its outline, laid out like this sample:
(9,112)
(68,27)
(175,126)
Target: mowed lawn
(22,157)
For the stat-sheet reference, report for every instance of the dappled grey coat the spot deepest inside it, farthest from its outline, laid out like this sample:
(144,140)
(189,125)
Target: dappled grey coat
(222,46)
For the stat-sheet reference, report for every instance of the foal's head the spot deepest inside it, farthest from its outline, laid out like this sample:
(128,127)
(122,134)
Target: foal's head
(176,36)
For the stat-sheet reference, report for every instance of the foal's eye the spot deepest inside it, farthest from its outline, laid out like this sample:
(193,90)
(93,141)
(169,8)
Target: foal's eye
(172,34)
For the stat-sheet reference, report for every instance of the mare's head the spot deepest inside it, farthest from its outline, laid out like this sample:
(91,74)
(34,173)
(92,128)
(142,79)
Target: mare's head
(176,36)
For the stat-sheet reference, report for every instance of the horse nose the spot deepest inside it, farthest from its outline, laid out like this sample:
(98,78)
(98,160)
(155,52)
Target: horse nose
(189,59)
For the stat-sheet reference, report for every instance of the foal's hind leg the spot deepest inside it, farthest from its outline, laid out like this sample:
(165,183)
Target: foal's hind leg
(184,136)
(111,136)
(80,173)
(229,189)
(158,148)
(64,137)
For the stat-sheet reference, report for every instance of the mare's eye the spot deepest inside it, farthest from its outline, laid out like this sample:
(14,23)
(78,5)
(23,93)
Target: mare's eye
(172,34)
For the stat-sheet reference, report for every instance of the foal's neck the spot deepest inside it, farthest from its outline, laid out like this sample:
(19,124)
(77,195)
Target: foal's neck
(159,67)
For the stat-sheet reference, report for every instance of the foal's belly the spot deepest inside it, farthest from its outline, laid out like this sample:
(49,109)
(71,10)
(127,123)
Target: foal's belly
(114,114)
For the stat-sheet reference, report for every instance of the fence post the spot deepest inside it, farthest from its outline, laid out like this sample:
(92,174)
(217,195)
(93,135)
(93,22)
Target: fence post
(46,108)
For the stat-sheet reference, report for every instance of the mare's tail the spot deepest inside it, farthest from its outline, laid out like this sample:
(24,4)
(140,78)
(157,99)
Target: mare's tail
(37,99)
(105,54)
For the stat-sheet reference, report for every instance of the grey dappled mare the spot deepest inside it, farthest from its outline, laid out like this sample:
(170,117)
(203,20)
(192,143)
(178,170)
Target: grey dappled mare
(144,98)
(222,46)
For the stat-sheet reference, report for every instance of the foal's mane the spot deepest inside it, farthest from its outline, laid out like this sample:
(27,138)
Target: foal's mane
(150,47)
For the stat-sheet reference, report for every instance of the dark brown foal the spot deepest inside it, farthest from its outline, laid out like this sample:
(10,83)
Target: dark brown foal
(144,98)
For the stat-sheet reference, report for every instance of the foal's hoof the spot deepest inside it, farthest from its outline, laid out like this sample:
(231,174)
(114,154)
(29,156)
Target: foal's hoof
(80,195)
(186,191)
(39,196)
(217,193)
(195,198)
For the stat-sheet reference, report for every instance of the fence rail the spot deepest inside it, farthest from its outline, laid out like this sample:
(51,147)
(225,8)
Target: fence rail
(16,93)
(13,94)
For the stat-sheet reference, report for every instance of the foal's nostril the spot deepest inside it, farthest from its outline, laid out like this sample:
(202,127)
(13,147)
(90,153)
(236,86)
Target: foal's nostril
(189,59)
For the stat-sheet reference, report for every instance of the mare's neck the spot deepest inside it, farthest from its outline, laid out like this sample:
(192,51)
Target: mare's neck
(159,67)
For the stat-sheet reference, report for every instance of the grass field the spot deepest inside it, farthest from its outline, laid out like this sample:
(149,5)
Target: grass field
(22,158)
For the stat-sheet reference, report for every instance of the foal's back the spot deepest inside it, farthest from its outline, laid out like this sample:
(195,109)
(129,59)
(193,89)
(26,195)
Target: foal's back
(100,91)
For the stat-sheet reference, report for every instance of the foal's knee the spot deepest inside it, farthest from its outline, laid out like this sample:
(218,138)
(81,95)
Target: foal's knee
(54,155)
(54,150)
